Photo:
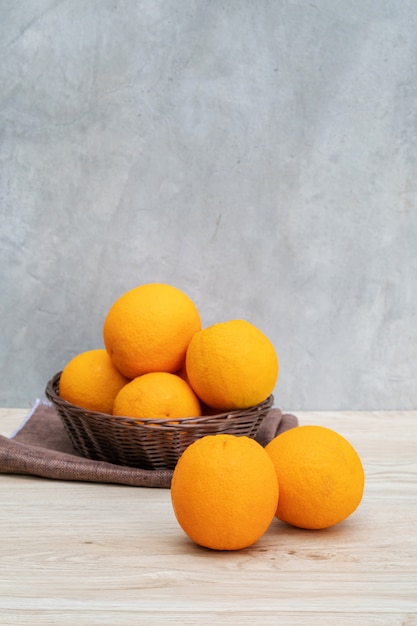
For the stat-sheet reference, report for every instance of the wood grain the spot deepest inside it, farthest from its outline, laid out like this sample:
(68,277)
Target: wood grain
(81,553)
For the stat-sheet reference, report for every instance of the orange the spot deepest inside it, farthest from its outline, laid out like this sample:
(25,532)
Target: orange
(90,380)
(320,476)
(224,491)
(157,395)
(231,365)
(149,328)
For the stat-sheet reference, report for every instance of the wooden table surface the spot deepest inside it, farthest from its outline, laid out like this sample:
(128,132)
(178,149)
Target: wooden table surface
(83,553)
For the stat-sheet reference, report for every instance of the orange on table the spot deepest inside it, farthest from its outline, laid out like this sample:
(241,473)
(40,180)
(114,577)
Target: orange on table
(231,365)
(90,380)
(320,475)
(224,491)
(157,395)
(149,328)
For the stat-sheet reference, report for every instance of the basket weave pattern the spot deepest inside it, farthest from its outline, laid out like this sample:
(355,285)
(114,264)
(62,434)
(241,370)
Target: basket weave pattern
(148,443)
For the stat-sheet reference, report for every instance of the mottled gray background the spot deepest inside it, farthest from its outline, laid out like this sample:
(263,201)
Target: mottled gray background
(260,155)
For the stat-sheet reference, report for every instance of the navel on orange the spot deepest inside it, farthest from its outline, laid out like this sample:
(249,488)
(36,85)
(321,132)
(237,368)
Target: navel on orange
(231,365)
(149,328)
(224,491)
(320,476)
(91,381)
(157,395)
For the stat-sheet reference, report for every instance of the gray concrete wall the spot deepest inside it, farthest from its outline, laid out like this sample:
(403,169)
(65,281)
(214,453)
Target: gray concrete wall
(260,155)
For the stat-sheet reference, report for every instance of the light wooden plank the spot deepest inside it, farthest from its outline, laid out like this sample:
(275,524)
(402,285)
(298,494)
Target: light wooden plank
(10,419)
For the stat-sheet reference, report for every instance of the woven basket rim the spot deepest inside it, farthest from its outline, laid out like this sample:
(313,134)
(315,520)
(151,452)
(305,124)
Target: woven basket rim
(52,393)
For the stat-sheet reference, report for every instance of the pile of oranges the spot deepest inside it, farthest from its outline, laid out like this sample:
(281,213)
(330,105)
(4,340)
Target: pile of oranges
(158,362)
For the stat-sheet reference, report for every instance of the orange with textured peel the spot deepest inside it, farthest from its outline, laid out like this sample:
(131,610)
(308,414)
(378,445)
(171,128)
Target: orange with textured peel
(224,491)
(157,395)
(91,380)
(320,475)
(148,329)
(231,365)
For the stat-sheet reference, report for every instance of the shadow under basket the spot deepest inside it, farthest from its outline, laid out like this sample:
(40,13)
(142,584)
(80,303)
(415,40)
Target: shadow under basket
(146,443)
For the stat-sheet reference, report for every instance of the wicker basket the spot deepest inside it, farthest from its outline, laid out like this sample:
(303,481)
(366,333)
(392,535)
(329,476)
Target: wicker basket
(149,443)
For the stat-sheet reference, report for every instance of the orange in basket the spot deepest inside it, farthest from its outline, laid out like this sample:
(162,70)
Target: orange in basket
(157,395)
(91,381)
(231,365)
(149,328)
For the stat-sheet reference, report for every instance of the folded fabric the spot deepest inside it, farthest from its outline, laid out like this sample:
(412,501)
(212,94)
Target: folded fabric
(41,447)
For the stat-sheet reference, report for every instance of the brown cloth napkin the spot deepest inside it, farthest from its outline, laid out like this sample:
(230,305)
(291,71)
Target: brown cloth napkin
(41,447)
